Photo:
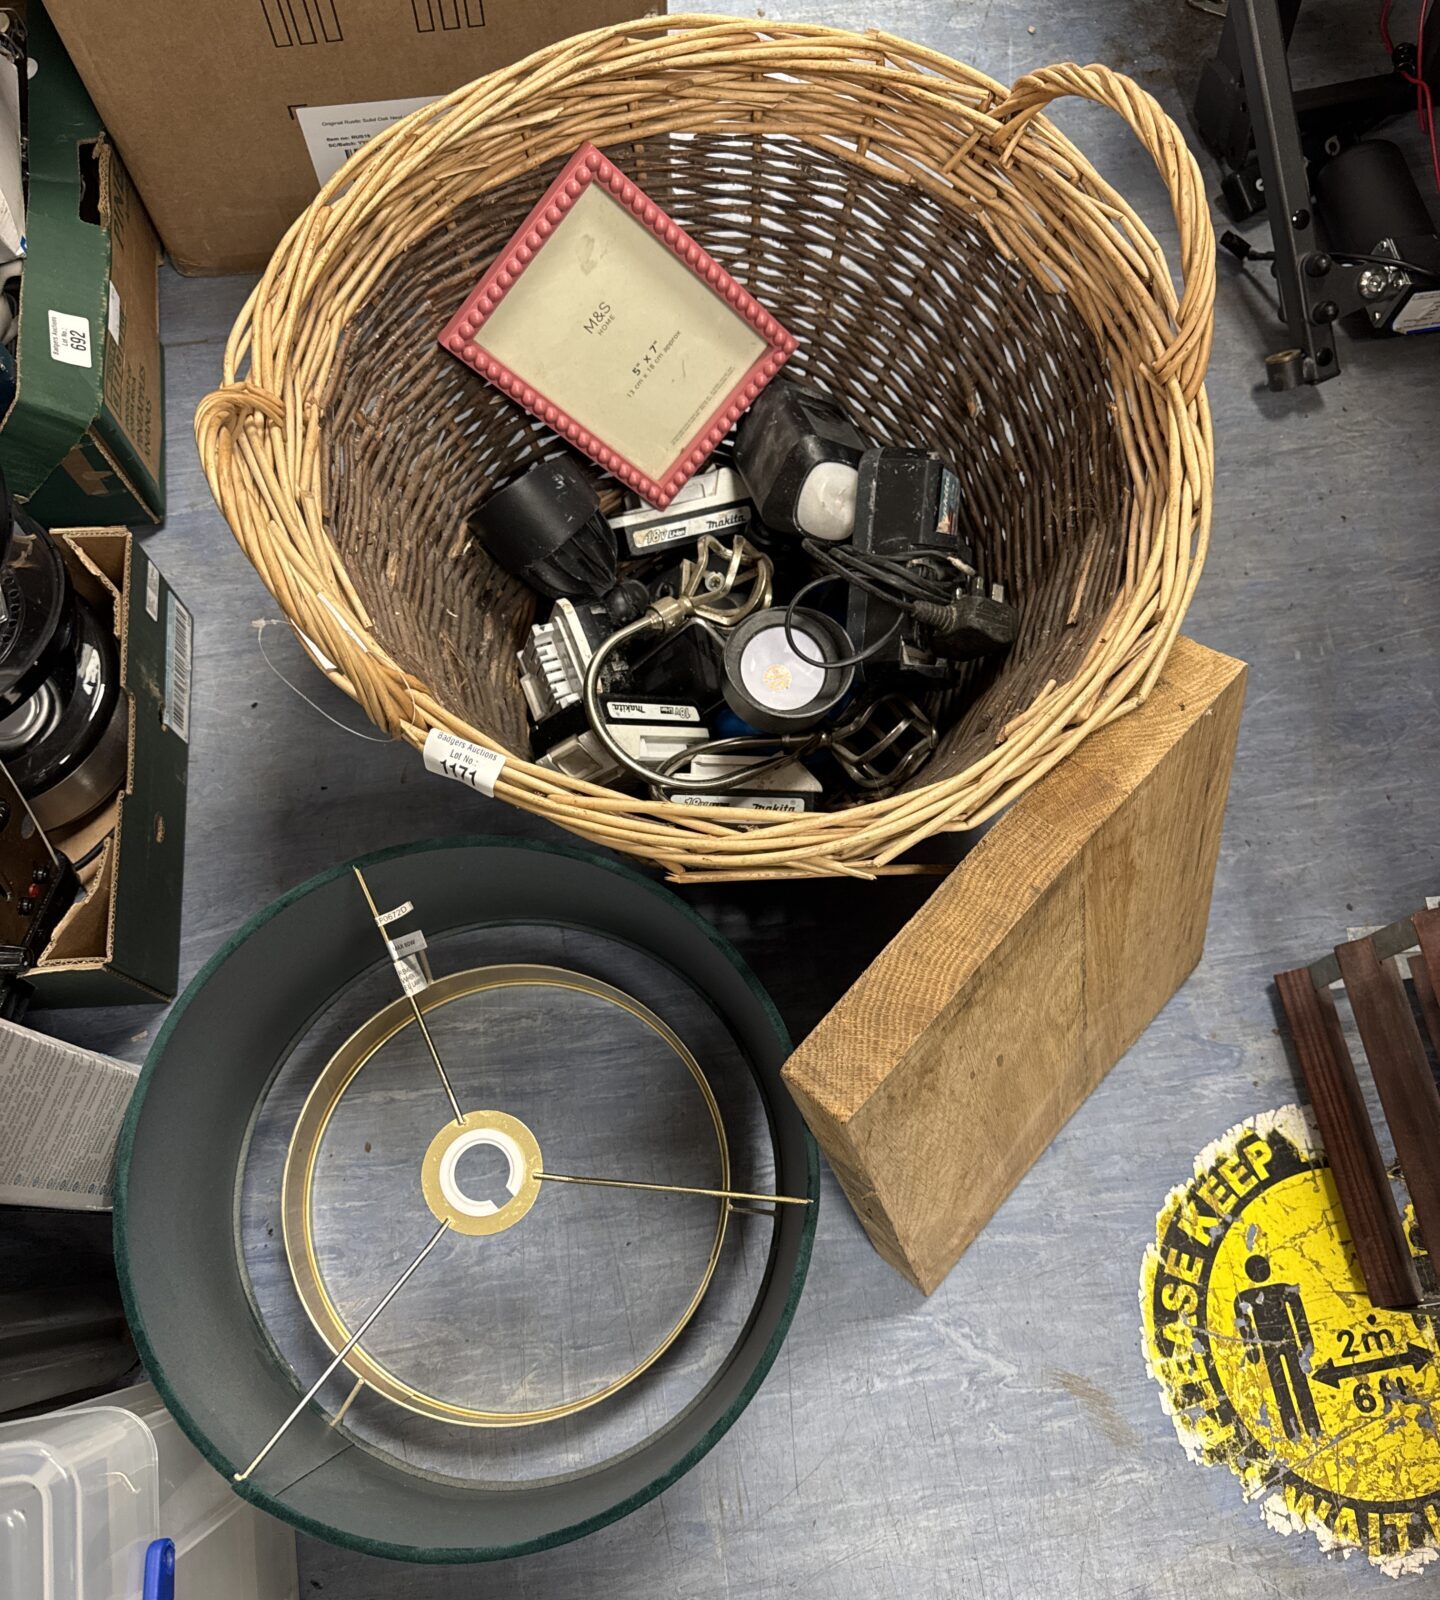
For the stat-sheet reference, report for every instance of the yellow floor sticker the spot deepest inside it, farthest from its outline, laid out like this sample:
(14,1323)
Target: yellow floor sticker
(1272,1360)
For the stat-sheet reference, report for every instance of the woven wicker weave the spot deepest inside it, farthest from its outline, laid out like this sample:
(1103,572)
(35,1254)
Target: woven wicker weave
(956,273)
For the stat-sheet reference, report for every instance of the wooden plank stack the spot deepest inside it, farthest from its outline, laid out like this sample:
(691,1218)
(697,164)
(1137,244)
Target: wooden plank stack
(1395,1052)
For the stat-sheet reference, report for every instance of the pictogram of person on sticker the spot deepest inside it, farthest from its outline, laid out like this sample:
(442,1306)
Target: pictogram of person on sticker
(1271,1321)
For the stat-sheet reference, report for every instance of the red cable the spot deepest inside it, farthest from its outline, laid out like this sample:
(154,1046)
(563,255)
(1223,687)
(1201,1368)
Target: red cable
(1423,91)
(1424,99)
(1434,143)
(1418,77)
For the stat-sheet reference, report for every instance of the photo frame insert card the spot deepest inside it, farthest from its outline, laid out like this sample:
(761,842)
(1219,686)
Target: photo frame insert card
(606,320)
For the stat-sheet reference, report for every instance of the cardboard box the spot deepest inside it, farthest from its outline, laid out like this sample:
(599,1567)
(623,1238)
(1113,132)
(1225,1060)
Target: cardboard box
(122,942)
(229,113)
(64,1107)
(83,441)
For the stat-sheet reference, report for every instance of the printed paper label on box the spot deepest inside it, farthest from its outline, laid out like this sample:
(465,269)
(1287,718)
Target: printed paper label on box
(113,316)
(152,589)
(70,339)
(179,632)
(334,133)
(64,1107)
(1420,313)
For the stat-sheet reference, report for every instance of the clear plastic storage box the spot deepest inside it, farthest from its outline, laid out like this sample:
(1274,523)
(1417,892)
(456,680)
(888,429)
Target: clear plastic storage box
(84,1492)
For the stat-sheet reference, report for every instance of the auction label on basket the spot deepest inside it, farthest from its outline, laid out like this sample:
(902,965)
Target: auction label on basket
(1271,1359)
(461,759)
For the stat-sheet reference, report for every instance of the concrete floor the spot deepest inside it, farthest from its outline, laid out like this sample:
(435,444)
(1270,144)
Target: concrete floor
(1001,1438)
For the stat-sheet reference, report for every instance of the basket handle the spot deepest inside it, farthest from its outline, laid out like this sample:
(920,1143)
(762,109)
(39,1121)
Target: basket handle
(1187,354)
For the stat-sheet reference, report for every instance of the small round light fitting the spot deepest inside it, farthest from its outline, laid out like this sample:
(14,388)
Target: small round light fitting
(781,674)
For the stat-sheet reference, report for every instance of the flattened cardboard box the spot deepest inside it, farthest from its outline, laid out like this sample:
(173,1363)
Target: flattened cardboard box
(226,110)
(64,1107)
(122,942)
(83,441)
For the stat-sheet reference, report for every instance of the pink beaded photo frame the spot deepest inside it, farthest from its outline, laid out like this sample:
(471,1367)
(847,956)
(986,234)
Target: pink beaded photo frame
(642,357)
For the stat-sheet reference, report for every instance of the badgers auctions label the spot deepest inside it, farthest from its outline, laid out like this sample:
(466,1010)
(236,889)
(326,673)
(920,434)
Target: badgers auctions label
(1271,1359)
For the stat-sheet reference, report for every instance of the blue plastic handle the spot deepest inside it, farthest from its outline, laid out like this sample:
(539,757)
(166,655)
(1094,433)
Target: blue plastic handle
(160,1570)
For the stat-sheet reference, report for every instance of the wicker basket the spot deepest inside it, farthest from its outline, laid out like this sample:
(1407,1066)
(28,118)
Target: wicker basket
(956,273)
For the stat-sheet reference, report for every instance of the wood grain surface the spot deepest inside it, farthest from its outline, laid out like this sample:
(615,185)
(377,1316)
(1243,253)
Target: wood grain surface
(1425,973)
(952,1063)
(1349,1139)
(1402,1074)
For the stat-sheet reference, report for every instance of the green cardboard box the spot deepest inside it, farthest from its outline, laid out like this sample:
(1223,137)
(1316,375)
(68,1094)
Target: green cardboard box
(83,441)
(122,942)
